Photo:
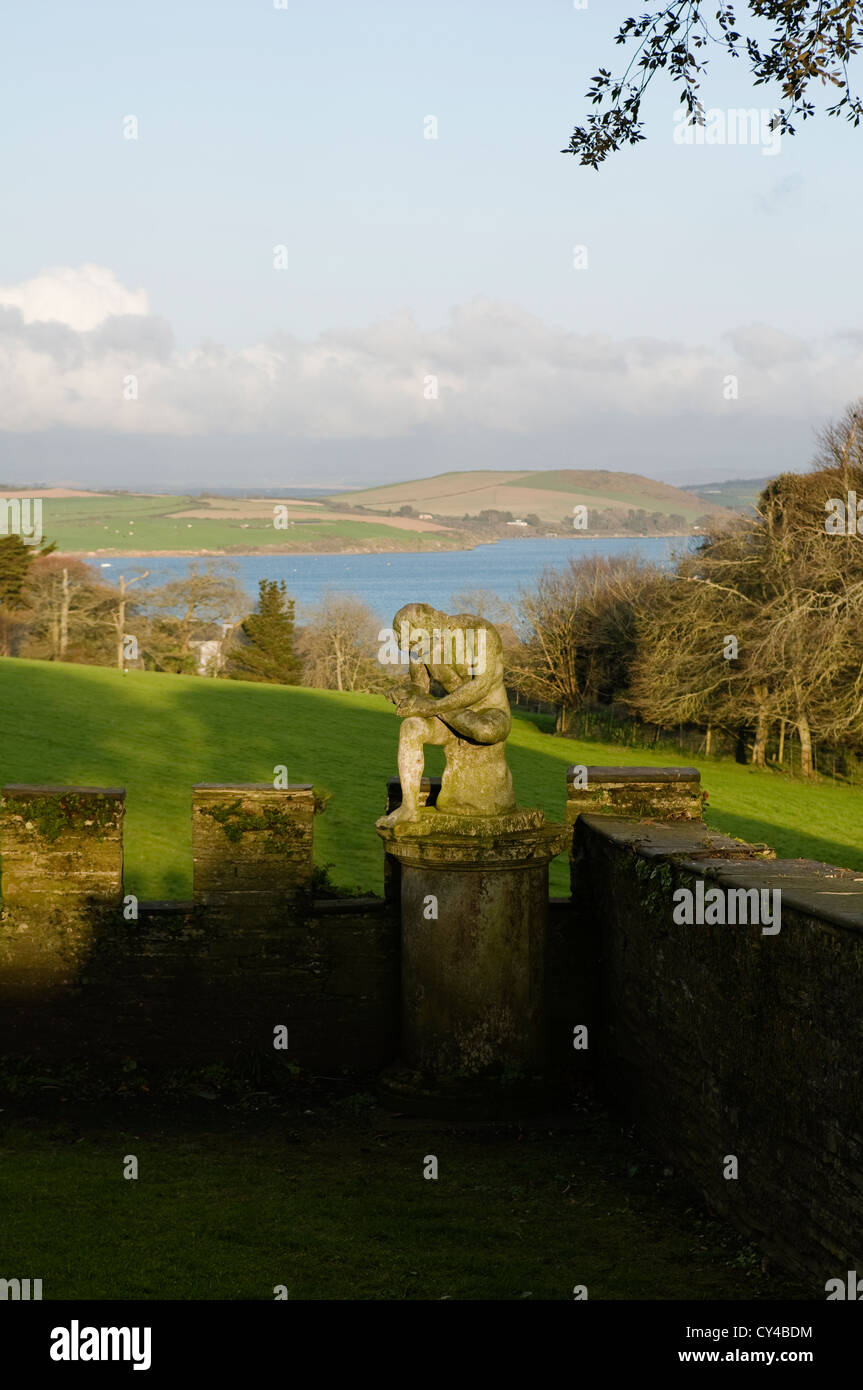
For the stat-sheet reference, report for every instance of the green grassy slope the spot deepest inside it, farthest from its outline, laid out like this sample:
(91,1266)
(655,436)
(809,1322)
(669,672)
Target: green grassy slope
(157,735)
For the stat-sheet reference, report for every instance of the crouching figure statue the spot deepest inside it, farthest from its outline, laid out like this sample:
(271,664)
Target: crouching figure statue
(456,699)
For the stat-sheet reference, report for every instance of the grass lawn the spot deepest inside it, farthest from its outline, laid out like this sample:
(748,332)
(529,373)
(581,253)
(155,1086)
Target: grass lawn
(332,1203)
(157,735)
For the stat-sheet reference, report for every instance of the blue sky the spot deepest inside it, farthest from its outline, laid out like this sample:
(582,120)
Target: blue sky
(303,127)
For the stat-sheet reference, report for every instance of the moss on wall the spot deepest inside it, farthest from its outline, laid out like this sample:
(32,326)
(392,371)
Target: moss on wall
(278,829)
(52,815)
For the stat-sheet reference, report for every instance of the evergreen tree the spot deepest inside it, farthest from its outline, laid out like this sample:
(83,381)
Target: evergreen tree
(15,558)
(266,648)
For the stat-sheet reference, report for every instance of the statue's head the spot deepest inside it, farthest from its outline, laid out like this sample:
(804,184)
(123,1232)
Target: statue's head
(417,614)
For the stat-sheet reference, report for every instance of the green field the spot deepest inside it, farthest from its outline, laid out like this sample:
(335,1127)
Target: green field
(147,525)
(134,524)
(157,735)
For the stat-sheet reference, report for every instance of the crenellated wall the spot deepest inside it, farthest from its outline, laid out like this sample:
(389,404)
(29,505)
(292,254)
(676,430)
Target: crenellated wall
(61,851)
(86,973)
(723,1041)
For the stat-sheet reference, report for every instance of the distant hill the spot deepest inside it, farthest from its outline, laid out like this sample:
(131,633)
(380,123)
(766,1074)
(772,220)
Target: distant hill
(740,494)
(448,512)
(549,495)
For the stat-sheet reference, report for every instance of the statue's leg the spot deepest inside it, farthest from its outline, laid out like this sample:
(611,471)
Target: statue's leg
(415,733)
(481,725)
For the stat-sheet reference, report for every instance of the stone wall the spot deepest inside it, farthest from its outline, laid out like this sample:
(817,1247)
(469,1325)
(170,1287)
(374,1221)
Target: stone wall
(666,793)
(732,1041)
(62,879)
(275,830)
(724,1041)
(85,974)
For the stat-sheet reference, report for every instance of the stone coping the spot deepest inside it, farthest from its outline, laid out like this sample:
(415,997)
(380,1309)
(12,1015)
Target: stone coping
(483,849)
(31,789)
(659,838)
(251,787)
(602,776)
(817,890)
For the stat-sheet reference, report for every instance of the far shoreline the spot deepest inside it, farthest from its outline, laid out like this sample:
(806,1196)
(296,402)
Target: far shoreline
(442,550)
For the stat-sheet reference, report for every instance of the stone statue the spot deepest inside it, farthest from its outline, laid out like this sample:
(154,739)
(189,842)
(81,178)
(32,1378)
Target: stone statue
(456,699)
(470,875)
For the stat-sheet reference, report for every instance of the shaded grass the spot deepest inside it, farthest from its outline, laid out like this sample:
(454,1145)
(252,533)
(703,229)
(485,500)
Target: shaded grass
(336,1207)
(158,735)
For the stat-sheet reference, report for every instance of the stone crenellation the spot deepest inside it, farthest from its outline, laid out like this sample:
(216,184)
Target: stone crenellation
(728,1038)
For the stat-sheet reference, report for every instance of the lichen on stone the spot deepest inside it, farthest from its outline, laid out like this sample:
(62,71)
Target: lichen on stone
(278,830)
(53,816)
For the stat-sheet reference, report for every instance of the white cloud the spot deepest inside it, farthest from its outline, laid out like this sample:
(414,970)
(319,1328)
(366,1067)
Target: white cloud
(81,298)
(69,339)
(765,346)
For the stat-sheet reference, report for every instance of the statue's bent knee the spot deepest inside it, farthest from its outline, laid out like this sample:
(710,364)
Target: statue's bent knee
(414,727)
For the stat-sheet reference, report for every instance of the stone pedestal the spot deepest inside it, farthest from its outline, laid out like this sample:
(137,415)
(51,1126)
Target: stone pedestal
(474,900)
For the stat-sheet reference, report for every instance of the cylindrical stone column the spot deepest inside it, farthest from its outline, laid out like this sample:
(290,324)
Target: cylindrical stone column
(474,900)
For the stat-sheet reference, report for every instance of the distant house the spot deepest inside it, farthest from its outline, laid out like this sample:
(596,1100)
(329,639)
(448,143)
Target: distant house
(426,516)
(519,522)
(209,647)
(208,656)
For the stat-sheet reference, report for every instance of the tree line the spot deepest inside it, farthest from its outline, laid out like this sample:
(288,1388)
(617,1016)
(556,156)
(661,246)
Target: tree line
(759,625)
(55,607)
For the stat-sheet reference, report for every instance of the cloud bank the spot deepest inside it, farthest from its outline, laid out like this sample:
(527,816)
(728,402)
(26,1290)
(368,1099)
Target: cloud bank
(81,353)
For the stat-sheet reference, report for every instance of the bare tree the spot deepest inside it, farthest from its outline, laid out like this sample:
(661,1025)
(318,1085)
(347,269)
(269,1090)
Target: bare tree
(339,646)
(790,593)
(117,619)
(66,608)
(689,626)
(484,603)
(578,633)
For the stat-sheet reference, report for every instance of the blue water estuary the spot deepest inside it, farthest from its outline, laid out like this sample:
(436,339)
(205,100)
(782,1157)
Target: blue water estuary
(386,582)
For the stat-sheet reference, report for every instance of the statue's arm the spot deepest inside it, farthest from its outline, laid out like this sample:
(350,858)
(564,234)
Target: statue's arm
(472,690)
(404,697)
(419,674)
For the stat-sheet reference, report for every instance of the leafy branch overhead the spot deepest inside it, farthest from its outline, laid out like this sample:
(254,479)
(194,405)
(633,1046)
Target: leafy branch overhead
(803,41)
